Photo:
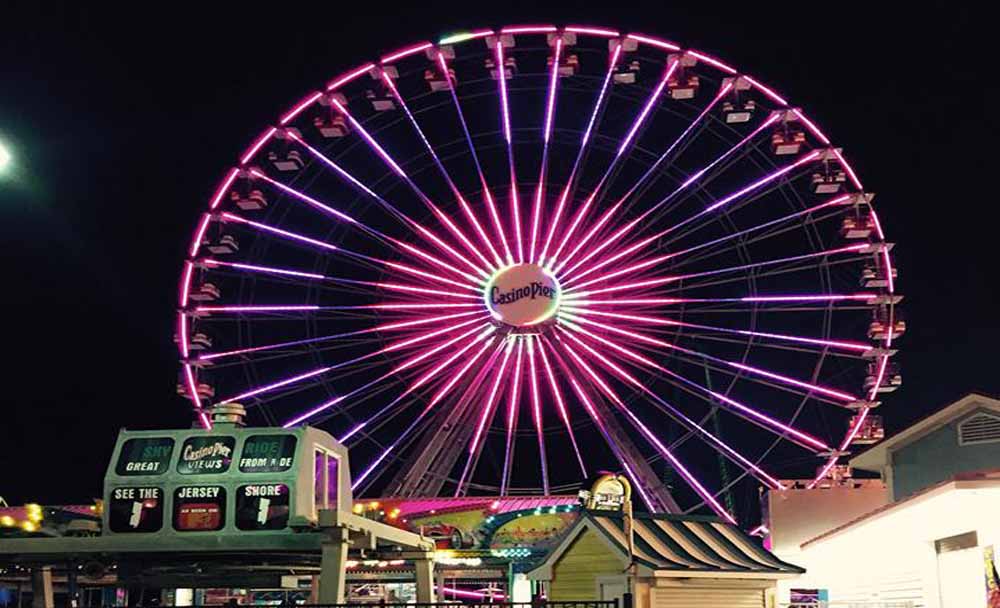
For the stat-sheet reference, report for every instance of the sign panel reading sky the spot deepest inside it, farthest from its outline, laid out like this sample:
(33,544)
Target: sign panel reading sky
(267,454)
(209,454)
(145,456)
(262,506)
(136,510)
(199,508)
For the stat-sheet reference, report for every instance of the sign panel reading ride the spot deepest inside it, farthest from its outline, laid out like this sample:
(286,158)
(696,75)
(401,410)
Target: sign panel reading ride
(522,295)
(267,454)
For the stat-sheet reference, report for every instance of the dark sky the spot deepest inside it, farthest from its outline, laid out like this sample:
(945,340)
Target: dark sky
(123,120)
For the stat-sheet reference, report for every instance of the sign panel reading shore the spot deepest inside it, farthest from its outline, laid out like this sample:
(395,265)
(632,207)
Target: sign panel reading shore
(226,480)
(522,295)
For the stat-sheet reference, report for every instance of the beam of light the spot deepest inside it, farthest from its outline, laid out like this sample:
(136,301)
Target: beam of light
(186,283)
(637,122)
(592,31)
(439,395)
(855,346)
(668,153)
(385,453)
(674,412)
(266,388)
(638,221)
(808,386)
(505,121)
(491,400)
(426,336)
(464,36)
(406,52)
(427,275)
(437,161)
(512,403)
(536,414)
(760,418)
(683,277)
(338,399)
(654,440)
(224,187)
(663,44)
(426,291)
(712,62)
(764,181)
(414,225)
(305,198)
(318,308)
(528,29)
(859,297)
(549,115)
(439,262)
(349,76)
(280,232)
(182,335)
(598,104)
(199,234)
(266,269)
(840,200)
(766,91)
(257,144)
(589,407)
(491,206)
(299,107)
(561,406)
(447,362)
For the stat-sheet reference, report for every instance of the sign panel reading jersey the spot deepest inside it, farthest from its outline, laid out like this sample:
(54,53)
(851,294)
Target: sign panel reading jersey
(199,508)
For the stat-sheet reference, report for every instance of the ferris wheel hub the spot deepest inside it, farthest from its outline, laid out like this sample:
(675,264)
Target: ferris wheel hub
(522,295)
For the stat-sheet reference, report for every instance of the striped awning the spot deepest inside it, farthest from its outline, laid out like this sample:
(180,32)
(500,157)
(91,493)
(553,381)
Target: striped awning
(689,543)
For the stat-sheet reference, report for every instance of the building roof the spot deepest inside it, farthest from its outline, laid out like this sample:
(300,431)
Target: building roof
(678,545)
(876,457)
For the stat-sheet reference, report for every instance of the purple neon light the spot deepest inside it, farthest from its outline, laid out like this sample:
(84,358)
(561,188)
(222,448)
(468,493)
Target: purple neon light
(536,414)
(298,108)
(528,29)
(256,145)
(766,91)
(593,31)
(549,114)
(265,269)
(199,234)
(663,44)
(648,107)
(712,61)
(512,402)
(186,283)
(280,232)
(374,145)
(349,76)
(406,52)
(561,406)
(310,200)
(505,117)
(224,187)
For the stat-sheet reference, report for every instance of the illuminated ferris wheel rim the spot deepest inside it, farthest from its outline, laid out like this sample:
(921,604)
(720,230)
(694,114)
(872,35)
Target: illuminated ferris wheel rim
(498,267)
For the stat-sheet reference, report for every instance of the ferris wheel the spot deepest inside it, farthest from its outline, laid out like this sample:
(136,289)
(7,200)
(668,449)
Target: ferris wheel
(504,261)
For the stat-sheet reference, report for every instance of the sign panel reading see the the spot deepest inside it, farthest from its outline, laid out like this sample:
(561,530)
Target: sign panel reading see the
(262,506)
(267,453)
(136,510)
(145,456)
(199,508)
(209,454)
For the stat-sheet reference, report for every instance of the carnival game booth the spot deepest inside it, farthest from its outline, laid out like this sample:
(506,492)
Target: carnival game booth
(666,561)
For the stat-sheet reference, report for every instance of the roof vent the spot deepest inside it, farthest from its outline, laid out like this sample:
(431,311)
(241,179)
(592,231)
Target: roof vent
(979,428)
(228,415)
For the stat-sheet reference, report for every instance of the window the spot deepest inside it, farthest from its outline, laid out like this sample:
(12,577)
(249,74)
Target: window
(262,506)
(145,456)
(206,454)
(135,509)
(324,480)
(199,508)
(979,428)
(267,454)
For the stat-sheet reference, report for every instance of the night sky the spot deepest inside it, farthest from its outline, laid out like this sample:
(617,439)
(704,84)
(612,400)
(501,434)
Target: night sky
(123,121)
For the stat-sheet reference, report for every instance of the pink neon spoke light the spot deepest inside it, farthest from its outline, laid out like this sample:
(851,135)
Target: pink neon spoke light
(619,241)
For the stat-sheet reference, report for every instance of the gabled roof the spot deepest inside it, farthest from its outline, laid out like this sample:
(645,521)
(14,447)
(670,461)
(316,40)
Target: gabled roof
(877,456)
(678,545)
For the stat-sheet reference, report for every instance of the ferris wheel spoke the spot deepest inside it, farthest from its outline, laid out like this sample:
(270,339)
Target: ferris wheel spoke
(712,398)
(855,347)
(550,109)
(571,182)
(484,420)
(657,281)
(385,453)
(623,146)
(650,437)
(536,414)
(681,418)
(451,185)
(668,154)
(487,195)
(641,220)
(381,351)
(515,204)
(513,401)
(561,406)
(381,153)
(845,398)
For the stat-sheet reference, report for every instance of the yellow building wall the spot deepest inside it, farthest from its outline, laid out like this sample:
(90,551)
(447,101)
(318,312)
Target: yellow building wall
(574,575)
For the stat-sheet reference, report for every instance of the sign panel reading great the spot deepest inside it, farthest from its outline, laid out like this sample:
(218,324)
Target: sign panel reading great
(522,295)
